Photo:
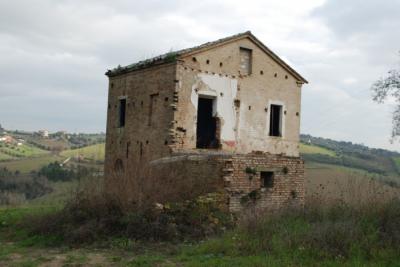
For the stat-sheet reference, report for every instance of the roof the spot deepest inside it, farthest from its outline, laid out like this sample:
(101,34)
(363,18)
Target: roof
(173,56)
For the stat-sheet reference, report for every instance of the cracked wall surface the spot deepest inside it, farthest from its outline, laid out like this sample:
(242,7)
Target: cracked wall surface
(242,100)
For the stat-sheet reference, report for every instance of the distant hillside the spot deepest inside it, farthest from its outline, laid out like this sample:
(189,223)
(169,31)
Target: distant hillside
(347,154)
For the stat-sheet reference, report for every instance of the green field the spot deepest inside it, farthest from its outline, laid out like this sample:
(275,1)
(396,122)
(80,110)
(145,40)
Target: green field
(324,183)
(4,156)
(26,165)
(311,149)
(36,158)
(93,152)
(23,150)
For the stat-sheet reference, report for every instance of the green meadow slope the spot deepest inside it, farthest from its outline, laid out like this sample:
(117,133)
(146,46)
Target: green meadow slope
(334,238)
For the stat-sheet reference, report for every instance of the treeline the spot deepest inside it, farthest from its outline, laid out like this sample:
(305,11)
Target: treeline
(348,154)
(343,147)
(16,187)
(56,172)
(11,150)
(82,140)
(345,161)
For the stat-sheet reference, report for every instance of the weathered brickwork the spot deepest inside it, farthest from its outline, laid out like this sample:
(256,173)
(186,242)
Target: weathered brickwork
(140,141)
(159,134)
(288,181)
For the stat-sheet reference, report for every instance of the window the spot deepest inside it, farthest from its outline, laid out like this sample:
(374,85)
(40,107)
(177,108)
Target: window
(275,120)
(245,61)
(122,112)
(267,179)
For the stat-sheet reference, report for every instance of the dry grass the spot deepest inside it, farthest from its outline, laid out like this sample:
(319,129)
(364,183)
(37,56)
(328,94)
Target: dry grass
(329,184)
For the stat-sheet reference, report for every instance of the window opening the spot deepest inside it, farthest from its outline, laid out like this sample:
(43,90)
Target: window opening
(275,121)
(122,112)
(267,179)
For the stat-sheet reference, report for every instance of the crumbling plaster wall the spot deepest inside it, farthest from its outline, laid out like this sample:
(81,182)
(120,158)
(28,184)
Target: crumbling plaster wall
(223,90)
(245,115)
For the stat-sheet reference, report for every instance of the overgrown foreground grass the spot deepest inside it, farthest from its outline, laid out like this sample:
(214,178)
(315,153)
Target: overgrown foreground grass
(316,236)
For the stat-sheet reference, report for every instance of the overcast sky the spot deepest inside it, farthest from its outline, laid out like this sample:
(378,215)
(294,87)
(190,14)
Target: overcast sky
(53,55)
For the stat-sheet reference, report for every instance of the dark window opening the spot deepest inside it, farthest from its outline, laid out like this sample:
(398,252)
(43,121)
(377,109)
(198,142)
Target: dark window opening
(153,103)
(122,111)
(118,166)
(206,125)
(275,120)
(245,61)
(267,179)
(127,149)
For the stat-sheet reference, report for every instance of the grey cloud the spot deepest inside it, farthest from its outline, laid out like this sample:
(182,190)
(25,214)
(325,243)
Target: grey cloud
(54,55)
(360,16)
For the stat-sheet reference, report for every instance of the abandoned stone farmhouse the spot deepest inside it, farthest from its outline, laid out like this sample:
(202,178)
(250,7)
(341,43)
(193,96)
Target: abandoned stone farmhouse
(220,117)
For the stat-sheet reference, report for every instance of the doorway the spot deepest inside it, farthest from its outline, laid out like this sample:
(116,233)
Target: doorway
(206,124)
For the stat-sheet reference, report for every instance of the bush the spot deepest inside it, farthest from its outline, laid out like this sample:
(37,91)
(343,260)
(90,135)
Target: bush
(93,216)
(55,172)
(17,189)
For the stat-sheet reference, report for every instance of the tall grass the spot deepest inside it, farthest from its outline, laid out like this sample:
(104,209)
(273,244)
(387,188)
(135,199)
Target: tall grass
(318,233)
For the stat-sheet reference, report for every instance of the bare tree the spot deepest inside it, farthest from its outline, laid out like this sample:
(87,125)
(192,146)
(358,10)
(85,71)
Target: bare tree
(389,87)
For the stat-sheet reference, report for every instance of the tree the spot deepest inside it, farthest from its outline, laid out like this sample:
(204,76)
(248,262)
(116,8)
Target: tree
(389,87)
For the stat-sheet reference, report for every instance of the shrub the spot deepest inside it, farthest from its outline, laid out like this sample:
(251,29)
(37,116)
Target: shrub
(17,189)
(92,215)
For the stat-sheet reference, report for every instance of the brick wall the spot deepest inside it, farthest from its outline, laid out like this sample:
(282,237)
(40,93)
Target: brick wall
(288,181)
(149,93)
(187,175)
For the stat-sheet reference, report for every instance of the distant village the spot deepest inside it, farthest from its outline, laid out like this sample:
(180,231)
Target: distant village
(7,138)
